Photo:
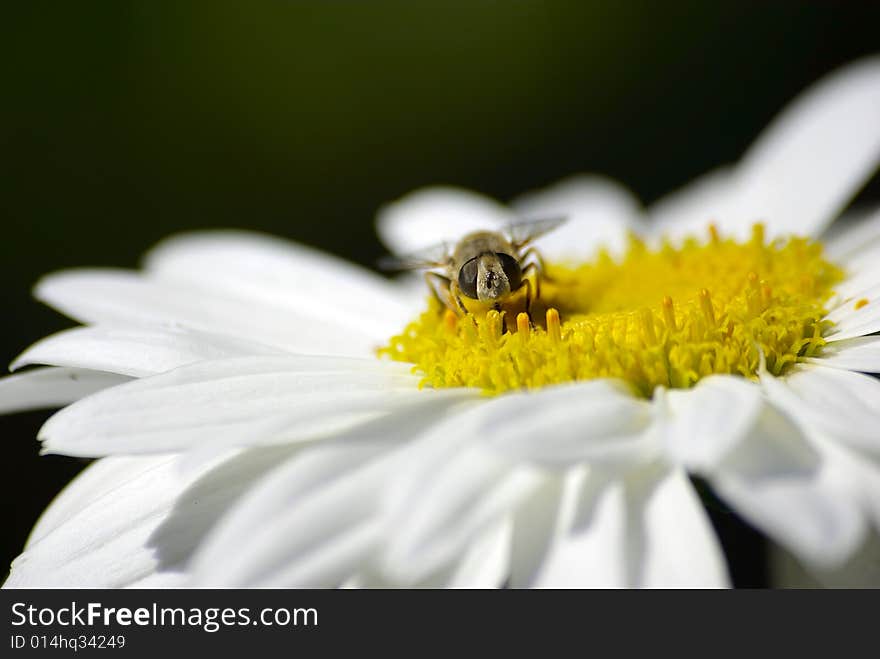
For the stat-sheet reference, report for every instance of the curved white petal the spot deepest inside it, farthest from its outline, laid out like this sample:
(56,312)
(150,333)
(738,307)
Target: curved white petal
(589,547)
(689,210)
(318,520)
(436,518)
(859,354)
(856,314)
(435,215)
(483,463)
(120,297)
(600,212)
(44,388)
(705,423)
(137,352)
(486,563)
(854,472)
(281,275)
(812,159)
(843,404)
(95,483)
(234,402)
(312,523)
(100,540)
(648,530)
(863,270)
(133,521)
(778,483)
(860,283)
(537,522)
(849,238)
(596,421)
(680,546)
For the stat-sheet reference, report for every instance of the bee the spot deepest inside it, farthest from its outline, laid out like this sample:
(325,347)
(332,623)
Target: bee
(488,266)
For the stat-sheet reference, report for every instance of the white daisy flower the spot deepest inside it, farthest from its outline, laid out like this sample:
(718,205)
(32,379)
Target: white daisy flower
(250,436)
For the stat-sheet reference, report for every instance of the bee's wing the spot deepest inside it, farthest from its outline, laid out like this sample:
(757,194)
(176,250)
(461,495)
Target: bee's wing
(524,232)
(430,258)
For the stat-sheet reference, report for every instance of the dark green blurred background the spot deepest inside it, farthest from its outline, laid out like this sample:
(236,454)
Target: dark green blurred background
(121,122)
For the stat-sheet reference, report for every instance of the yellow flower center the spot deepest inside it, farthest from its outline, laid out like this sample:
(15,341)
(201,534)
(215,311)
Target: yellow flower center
(666,316)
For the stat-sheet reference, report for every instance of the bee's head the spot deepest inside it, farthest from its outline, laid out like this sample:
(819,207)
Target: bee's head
(490,277)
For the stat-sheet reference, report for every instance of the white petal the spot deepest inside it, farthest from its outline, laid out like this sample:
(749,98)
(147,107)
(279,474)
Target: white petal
(479,465)
(778,483)
(589,550)
(240,401)
(690,210)
(853,472)
(456,485)
(96,482)
(680,546)
(435,519)
(812,159)
(51,387)
(133,521)
(843,404)
(311,523)
(863,267)
(119,297)
(647,531)
(852,318)
(487,562)
(101,540)
(432,216)
(538,521)
(317,521)
(860,354)
(282,275)
(137,352)
(842,305)
(706,422)
(848,238)
(599,421)
(599,212)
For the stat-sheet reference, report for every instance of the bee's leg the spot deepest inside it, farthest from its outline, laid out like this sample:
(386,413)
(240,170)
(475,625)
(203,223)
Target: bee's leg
(539,273)
(537,262)
(527,284)
(435,280)
(455,294)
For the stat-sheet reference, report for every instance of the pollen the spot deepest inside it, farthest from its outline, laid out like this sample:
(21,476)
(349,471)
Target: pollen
(668,316)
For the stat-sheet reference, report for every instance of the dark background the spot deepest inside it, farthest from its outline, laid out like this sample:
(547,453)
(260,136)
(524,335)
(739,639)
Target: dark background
(121,122)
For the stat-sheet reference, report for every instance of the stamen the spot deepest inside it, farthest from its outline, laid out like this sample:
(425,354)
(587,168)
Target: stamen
(669,313)
(450,320)
(523,325)
(861,303)
(648,327)
(492,327)
(713,234)
(758,234)
(554,328)
(706,306)
(753,295)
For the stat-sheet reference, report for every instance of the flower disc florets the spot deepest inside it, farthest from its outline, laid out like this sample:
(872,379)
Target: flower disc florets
(656,317)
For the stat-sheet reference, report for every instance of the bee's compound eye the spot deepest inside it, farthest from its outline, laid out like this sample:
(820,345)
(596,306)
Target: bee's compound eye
(512,269)
(467,279)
